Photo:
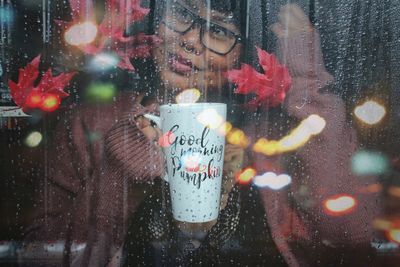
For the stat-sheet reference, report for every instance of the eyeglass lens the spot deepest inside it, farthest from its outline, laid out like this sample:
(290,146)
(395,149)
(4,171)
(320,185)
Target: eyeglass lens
(213,36)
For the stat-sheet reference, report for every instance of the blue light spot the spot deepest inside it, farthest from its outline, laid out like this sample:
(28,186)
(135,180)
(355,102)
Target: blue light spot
(6,15)
(369,163)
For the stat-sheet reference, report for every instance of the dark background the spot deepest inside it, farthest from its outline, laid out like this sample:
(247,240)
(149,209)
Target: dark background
(361,47)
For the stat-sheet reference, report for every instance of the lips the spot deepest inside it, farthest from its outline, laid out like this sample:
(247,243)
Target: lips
(180,64)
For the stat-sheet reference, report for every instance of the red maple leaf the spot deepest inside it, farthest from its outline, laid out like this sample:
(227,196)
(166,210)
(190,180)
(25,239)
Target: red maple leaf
(118,16)
(269,87)
(48,92)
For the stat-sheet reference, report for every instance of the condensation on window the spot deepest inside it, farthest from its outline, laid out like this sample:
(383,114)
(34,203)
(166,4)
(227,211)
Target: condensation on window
(203,132)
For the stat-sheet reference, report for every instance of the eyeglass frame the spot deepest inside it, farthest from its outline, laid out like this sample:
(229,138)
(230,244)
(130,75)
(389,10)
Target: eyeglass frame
(201,22)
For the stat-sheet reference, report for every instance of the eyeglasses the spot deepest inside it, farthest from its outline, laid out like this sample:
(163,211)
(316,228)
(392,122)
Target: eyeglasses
(214,37)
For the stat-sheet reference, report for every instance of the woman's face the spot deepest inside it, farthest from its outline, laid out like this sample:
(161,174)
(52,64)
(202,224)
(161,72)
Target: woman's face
(185,59)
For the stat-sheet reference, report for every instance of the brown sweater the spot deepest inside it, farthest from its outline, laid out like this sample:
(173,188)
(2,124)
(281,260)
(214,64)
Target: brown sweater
(100,166)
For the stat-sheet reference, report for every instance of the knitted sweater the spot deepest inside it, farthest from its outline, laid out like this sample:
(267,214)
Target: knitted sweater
(101,166)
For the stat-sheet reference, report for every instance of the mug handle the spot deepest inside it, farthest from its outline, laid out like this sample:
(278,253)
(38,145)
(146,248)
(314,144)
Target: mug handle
(154,118)
(157,121)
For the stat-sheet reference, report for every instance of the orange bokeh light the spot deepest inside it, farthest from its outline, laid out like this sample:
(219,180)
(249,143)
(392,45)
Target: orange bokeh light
(246,175)
(34,99)
(50,102)
(238,138)
(394,235)
(339,205)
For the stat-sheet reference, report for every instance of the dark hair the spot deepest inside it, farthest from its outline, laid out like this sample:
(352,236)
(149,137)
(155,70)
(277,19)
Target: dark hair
(147,70)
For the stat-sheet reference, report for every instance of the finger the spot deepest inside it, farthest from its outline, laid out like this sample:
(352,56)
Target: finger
(150,133)
(293,18)
(142,122)
(158,131)
(298,13)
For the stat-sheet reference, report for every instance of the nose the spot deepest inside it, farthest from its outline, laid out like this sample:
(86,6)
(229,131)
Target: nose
(190,41)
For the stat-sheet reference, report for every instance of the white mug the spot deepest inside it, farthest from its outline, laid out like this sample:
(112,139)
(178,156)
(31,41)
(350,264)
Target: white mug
(194,149)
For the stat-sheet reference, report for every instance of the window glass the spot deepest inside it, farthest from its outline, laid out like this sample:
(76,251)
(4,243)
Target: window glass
(203,132)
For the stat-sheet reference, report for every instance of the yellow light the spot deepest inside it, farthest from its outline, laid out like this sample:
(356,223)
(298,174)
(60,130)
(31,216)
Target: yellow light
(238,138)
(271,148)
(81,34)
(370,112)
(245,176)
(210,117)
(33,139)
(188,96)
(394,235)
(258,147)
(339,205)
(298,137)
(225,128)
(381,224)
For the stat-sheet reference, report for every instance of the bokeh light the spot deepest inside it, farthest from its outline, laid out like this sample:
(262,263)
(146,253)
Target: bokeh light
(188,96)
(81,34)
(34,99)
(315,124)
(370,112)
(394,191)
(104,61)
(382,224)
(246,175)
(369,163)
(298,137)
(372,188)
(394,235)
(390,226)
(50,102)
(6,15)
(225,128)
(339,205)
(272,180)
(237,137)
(100,92)
(211,118)
(33,139)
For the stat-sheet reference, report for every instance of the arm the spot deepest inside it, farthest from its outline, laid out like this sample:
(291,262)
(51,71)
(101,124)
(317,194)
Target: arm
(325,160)
(93,156)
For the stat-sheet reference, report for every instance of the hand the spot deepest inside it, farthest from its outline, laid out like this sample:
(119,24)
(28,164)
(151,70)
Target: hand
(152,133)
(292,19)
(144,125)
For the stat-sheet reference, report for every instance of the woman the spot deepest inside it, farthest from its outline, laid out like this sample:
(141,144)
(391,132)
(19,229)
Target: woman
(98,179)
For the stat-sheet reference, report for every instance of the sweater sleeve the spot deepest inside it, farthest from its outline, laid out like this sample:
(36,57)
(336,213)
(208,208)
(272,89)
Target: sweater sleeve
(325,161)
(97,158)
(129,159)
(55,195)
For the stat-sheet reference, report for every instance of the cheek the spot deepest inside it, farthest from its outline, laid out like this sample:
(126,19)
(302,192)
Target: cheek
(217,62)
(215,79)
